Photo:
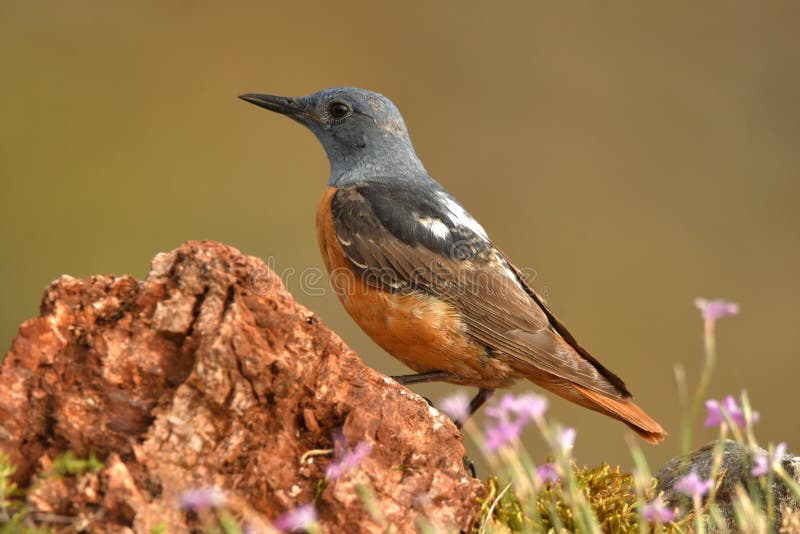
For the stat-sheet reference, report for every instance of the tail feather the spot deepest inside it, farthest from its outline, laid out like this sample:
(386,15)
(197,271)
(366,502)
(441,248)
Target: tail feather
(625,411)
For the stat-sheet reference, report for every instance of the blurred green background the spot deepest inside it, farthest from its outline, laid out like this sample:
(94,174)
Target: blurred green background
(636,155)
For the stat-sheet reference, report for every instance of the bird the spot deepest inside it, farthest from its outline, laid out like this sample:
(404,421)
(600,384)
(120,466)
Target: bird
(421,277)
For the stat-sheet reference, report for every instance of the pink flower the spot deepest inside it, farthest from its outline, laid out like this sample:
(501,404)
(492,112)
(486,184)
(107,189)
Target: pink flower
(300,518)
(656,511)
(503,433)
(566,438)
(456,406)
(692,485)
(346,459)
(716,413)
(202,499)
(548,473)
(512,414)
(763,461)
(713,310)
(528,406)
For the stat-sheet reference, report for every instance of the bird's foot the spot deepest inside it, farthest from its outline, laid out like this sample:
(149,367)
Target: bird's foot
(419,378)
(469,465)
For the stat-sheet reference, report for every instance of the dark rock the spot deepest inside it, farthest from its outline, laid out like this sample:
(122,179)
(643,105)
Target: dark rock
(734,471)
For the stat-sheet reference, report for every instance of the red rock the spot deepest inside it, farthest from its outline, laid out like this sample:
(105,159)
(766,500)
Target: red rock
(200,377)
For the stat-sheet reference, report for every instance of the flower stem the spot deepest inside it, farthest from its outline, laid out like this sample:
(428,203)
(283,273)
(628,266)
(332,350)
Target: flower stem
(710,349)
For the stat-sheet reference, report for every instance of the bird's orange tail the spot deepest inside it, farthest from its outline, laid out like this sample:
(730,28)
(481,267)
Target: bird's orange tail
(626,411)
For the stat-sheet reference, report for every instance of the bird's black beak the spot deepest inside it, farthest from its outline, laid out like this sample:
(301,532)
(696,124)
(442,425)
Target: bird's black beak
(291,107)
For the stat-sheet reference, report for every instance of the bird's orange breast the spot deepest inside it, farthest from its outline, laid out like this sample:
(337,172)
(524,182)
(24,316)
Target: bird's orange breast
(422,331)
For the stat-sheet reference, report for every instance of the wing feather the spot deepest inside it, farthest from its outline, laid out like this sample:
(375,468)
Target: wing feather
(392,250)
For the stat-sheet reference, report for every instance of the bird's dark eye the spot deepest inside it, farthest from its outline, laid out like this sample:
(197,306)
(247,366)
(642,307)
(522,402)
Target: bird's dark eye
(338,110)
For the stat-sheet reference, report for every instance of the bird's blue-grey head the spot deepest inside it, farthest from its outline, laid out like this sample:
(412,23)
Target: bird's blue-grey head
(362,132)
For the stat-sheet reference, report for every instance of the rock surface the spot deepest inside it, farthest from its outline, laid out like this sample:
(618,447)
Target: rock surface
(734,471)
(208,373)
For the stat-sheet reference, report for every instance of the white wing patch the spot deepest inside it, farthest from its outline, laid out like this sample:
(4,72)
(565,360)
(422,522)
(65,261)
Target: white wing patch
(460,217)
(436,227)
(509,271)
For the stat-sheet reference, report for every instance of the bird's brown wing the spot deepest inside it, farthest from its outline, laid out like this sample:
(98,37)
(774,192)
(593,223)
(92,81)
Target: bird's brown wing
(403,238)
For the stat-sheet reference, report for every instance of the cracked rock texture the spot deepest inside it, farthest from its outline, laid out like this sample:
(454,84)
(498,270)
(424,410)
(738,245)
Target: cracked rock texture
(208,373)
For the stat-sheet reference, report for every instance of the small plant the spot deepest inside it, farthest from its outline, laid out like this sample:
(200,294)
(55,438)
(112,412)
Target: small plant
(68,464)
(608,492)
(14,514)
(7,487)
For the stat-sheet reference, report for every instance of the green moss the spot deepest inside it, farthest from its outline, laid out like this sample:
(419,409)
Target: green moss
(609,492)
(14,514)
(508,510)
(611,496)
(7,487)
(68,464)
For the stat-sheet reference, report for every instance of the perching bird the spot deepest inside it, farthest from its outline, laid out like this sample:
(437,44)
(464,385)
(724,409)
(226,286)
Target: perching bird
(420,276)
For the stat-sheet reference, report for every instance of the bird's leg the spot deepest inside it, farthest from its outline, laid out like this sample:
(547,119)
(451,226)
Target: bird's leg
(431,376)
(469,465)
(475,404)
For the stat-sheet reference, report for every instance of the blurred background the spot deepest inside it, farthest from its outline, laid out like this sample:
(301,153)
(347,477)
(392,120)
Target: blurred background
(636,156)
